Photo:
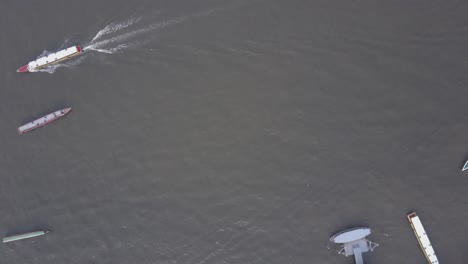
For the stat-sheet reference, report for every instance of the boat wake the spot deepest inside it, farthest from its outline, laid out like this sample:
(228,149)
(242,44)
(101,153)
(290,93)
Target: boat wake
(109,50)
(113,27)
(114,43)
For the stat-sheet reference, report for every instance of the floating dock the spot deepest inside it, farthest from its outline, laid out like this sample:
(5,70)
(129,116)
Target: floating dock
(354,242)
(423,239)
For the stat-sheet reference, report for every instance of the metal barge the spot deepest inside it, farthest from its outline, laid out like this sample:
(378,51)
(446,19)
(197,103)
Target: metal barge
(422,238)
(43,120)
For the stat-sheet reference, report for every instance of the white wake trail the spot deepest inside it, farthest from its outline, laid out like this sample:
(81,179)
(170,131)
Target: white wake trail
(135,32)
(114,27)
(157,26)
(108,50)
(99,50)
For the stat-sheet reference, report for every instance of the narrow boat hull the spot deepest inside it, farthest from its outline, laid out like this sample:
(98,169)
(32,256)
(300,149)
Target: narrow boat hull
(24,236)
(40,122)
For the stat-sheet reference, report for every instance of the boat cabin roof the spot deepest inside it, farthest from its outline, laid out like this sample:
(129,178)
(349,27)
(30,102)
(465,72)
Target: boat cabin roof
(54,57)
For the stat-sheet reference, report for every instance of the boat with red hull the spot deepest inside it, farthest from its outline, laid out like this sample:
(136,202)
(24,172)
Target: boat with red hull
(51,59)
(40,122)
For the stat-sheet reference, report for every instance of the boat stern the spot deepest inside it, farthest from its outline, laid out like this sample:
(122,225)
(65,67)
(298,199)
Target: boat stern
(411,215)
(23,69)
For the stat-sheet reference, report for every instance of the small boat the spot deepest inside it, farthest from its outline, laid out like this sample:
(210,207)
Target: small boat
(43,120)
(51,59)
(24,236)
(465,167)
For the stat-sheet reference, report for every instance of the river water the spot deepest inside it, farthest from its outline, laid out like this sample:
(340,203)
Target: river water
(242,131)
